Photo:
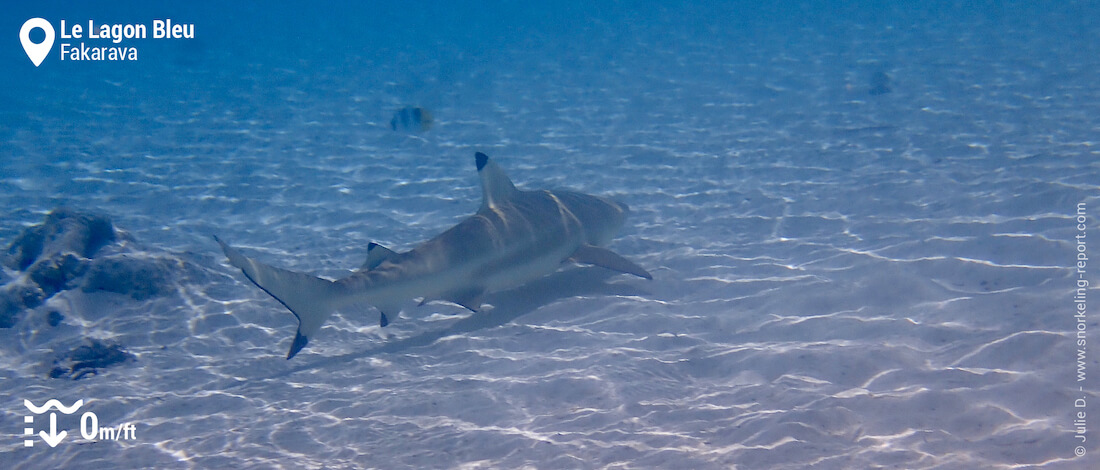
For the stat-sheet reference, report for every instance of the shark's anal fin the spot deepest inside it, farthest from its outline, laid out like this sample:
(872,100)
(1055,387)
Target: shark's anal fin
(376,254)
(589,254)
(469,298)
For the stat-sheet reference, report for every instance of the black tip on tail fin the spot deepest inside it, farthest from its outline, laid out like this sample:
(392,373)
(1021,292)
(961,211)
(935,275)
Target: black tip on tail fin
(482,159)
(299,343)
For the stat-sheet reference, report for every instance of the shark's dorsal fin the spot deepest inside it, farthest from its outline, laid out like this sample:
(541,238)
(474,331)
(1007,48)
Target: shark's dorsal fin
(495,185)
(376,254)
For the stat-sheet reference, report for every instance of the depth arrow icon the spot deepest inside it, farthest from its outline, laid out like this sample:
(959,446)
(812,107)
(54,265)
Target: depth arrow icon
(53,438)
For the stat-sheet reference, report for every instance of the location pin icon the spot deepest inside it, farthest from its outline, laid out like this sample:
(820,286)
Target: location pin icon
(37,52)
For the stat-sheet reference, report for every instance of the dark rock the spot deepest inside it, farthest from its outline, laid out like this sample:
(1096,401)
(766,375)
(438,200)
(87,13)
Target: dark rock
(54,318)
(25,249)
(8,309)
(53,275)
(53,256)
(139,278)
(29,295)
(84,360)
(16,297)
(64,230)
(68,251)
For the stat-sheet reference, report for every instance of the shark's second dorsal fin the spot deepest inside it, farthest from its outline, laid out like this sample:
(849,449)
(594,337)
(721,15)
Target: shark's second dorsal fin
(495,185)
(376,254)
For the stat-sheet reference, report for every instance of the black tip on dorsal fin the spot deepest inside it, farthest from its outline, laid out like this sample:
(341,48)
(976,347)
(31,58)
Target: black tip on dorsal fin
(496,188)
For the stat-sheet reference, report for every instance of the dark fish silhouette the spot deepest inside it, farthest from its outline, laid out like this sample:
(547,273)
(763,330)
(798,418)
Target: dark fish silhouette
(411,119)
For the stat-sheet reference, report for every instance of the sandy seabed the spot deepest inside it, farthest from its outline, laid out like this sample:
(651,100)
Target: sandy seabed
(842,279)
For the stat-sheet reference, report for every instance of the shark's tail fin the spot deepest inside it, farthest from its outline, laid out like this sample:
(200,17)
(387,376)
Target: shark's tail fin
(308,298)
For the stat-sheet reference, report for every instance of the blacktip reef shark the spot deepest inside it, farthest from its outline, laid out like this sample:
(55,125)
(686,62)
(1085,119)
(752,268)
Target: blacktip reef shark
(515,237)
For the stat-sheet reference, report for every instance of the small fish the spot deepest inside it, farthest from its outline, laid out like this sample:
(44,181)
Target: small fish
(411,119)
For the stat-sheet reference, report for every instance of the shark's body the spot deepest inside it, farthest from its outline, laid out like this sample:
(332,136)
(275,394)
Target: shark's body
(516,236)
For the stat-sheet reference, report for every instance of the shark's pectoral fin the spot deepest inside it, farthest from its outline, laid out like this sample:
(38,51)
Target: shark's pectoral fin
(376,254)
(471,298)
(589,254)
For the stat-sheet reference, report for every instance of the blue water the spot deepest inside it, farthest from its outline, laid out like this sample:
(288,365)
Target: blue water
(860,221)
